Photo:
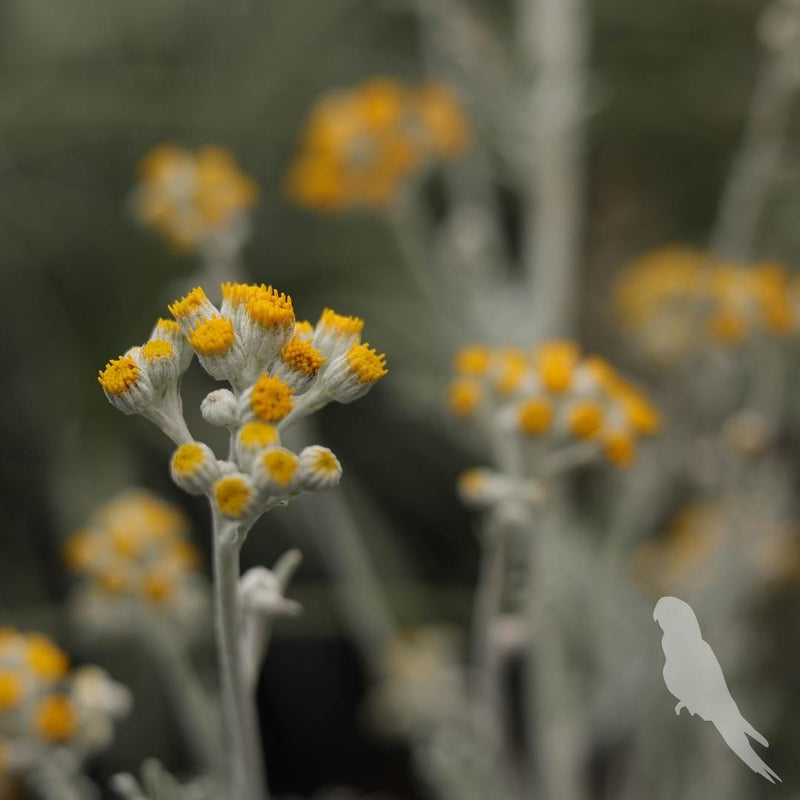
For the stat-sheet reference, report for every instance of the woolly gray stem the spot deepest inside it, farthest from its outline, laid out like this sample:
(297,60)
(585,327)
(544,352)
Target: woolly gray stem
(247,773)
(553,43)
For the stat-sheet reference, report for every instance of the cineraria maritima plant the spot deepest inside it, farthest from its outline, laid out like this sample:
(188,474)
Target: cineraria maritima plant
(279,370)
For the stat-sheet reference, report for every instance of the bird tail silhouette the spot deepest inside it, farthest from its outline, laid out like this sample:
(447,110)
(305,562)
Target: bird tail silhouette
(735,732)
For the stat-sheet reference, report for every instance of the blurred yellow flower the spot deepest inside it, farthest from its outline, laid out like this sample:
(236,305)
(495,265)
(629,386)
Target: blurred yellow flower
(135,546)
(189,196)
(553,395)
(677,299)
(360,146)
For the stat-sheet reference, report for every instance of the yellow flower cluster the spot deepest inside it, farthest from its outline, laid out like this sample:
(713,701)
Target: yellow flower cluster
(279,369)
(553,394)
(43,703)
(683,558)
(187,196)
(135,546)
(360,146)
(677,298)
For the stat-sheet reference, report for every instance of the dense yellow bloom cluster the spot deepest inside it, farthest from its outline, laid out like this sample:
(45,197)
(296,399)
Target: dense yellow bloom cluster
(677,298)
(360,146)
(43,704)
(187,196)
(553,395)
(279,370)
(135,546)
(684,557)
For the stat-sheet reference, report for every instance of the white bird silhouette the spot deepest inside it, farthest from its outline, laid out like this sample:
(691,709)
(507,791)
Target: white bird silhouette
(693,675)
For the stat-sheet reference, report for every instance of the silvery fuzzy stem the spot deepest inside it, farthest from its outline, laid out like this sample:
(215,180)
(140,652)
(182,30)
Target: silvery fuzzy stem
(553,43)
(754,165)
(245,762)
(556,740)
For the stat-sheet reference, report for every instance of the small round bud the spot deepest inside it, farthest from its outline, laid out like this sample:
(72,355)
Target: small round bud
(219,408)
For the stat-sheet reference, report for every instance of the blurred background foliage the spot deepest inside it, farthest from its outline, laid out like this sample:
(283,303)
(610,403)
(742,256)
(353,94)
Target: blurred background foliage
(87,87)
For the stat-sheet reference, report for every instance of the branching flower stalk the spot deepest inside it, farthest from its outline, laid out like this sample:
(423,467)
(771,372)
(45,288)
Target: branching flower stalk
(279,370)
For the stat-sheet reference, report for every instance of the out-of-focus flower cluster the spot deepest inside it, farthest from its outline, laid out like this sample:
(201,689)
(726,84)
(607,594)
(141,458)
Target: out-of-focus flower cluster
(547,399)
(683,559)
(360,146)
(677,299)
(135,551)
(279,370)
(46,707)
(191,197)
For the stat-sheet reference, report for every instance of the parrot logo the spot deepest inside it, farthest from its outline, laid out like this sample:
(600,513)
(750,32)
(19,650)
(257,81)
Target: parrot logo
(693,675)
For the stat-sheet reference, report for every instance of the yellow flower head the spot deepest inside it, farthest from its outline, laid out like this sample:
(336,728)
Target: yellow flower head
(11,689)
(271,399)
(258,435)
(463,397)
(301,356)
(56,718)
(619,448)
(45,659)
(585,419)
(234,495)
(366,364)
(213,337)
(270,309)
(535,416)
(473,360)
(278,467)
(119,376)
(556,362)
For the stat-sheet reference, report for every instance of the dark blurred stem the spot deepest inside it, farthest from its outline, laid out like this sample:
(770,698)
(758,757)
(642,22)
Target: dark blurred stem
(194,708)
(553,39)
(756,161)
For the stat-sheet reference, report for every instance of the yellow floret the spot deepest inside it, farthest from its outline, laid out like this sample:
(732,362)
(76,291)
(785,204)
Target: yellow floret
(345,326)
(188,303)
(158,587)
(463,397)
(271,399)
(233,495)
(511,370)
(79,551)
(303,329)
(213,337)
(728,327)
(472,482)
(326,463)
(44,658)
(157,349)
(556,362)
(185,554)
(167,328)
(239,293)
(535,416)
(365,362)
(188,458)
(280,465)
(302,357)
(585,419)
(113,580)
(127,542)
(56,718)
(619,448)
(119,375)
(473,360)
(269,308)
(642,416)
(258,434)
(10,689)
